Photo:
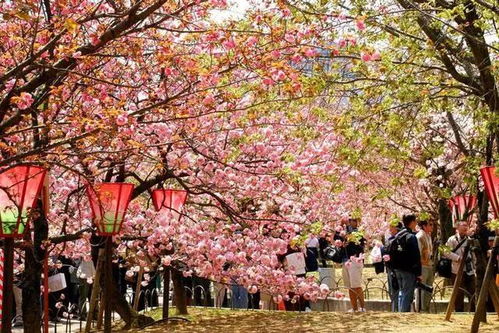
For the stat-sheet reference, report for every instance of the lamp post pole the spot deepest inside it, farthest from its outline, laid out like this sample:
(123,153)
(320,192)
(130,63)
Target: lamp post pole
(46,292)
(108,284)
(166,292)
(8,276)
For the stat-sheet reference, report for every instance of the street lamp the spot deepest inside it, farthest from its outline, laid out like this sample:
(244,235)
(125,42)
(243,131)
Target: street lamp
(20,187)
(461,207)
(491,182)
(172,200)
(109,202)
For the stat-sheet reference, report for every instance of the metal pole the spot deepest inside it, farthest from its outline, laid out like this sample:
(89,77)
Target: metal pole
(109,283)
(166,292)
(46,292)
(8,276)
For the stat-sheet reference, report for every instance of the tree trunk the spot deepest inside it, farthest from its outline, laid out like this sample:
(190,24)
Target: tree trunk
(33,267)
(179,291)
(119,304)
(445,217)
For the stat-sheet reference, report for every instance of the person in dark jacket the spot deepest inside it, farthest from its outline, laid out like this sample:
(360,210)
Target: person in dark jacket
(408,270)
(393,288)
(323,244)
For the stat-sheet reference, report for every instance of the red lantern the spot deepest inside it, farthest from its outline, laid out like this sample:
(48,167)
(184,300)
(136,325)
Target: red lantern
(20,186)
(171,199)
(491,182)
(109,202)
(461,207)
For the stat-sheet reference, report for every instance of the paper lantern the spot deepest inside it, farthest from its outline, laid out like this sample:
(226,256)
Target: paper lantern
(170,199)
(462,207)
(491,182)
(109,202)
(20,187)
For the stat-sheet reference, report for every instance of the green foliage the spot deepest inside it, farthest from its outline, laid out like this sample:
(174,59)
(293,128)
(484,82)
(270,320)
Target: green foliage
(493,225)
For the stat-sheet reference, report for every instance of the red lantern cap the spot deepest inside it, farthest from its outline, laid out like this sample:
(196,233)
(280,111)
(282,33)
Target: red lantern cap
(109,202)
(171,199)
(462,207)
(491,182)
(20,186)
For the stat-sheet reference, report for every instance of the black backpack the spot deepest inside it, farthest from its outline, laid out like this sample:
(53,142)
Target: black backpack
(334,253)
(397,250)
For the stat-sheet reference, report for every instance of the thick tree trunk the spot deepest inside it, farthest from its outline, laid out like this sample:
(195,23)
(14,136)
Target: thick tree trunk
(32,277)
(118,302)
(179,291)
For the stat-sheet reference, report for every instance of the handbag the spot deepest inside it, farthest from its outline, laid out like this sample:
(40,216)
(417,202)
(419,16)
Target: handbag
(86,270)
(57,282)
(297,261)
(333,253)
(444,265)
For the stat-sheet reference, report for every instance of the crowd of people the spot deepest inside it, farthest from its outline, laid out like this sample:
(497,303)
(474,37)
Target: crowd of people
(408,255)
(70,287)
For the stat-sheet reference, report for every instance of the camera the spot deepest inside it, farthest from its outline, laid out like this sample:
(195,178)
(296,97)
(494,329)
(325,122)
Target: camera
(424,287)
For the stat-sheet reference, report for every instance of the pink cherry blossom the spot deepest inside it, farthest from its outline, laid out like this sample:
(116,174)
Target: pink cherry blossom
(121,120)
(229,44)
(365,57)
(360,25)
(310,52)
(376,55)
(24,101)
(252,41)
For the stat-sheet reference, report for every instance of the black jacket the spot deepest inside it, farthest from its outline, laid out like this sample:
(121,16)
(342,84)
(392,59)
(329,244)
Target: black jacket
(412,262)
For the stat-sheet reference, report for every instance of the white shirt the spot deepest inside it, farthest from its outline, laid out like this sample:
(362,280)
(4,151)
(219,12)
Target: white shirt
(313,242)
(452,242)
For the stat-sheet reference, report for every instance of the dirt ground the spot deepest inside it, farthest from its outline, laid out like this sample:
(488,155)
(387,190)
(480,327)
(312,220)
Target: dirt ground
(221,321)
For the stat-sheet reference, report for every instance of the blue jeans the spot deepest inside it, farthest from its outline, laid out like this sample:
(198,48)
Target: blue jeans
(239,297)
(393,292)
(407,284)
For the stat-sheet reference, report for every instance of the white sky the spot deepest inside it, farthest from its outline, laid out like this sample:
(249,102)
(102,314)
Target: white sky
(235,9)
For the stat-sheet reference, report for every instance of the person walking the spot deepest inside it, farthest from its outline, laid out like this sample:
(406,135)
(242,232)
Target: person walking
(457,242)
(406,262)
(425,244)
(353,265)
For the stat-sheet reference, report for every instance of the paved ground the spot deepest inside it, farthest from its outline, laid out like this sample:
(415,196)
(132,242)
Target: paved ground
(213,320)
(72,326)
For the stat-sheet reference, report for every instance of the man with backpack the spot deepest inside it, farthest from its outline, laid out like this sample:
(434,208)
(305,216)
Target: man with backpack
(405,260)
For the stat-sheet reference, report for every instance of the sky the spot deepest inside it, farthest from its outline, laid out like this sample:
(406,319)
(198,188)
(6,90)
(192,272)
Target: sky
(235,9)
